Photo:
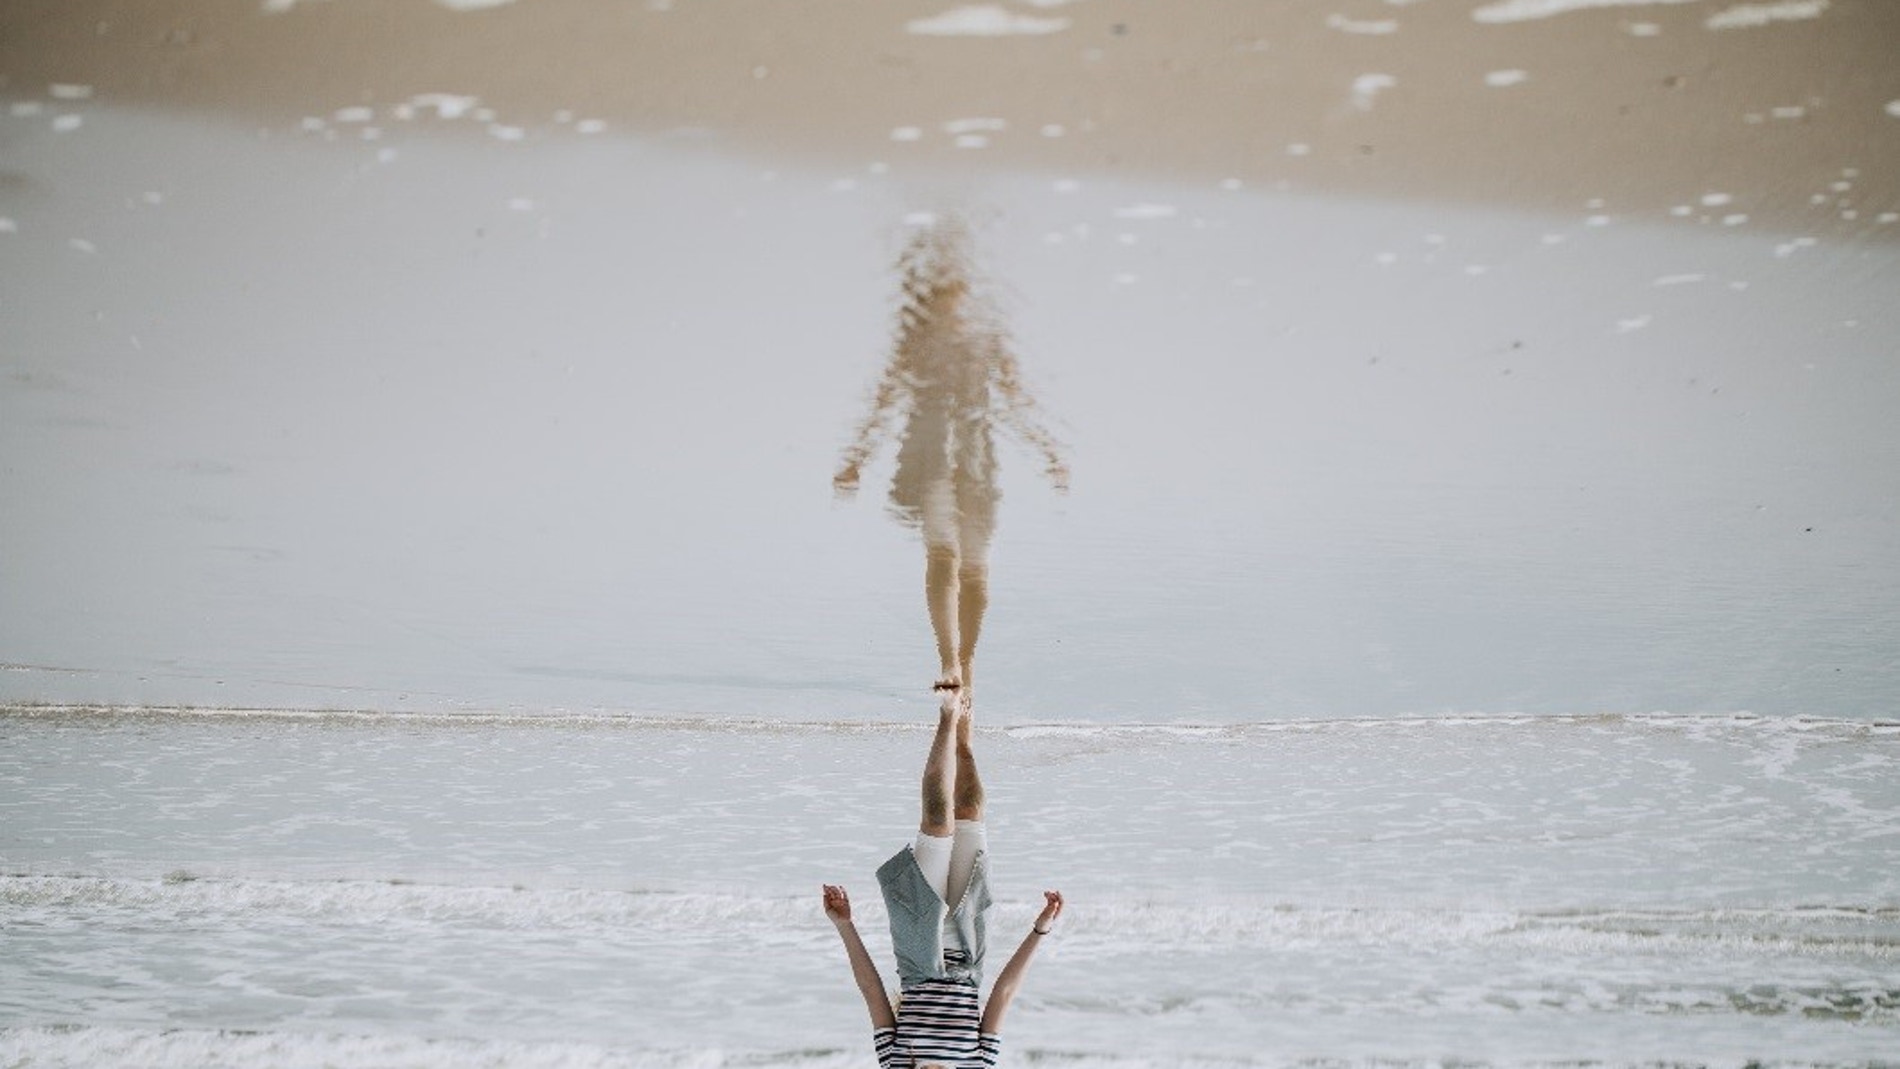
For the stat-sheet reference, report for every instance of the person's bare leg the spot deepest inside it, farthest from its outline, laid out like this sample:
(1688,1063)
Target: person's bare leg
(940,594)
(969,788)
(973,597)
(940,771)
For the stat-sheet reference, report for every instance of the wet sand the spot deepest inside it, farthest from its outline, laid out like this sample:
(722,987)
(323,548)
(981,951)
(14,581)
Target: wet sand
(324,392)
(1726,114)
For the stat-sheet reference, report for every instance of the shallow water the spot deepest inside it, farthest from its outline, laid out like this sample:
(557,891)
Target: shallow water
(197,889)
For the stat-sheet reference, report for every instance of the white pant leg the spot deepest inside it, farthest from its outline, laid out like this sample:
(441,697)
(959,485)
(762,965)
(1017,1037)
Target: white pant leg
(971,839)
(933,853)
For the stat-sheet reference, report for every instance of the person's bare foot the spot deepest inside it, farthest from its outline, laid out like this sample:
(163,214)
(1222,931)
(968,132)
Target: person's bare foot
(951,705)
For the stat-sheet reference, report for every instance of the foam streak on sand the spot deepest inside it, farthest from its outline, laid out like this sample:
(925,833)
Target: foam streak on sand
(984,20)
(1523,10)
(1369,27)
(1747,16)
(1367,86)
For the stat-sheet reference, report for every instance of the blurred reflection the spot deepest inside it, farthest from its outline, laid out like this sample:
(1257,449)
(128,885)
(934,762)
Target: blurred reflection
(954,381)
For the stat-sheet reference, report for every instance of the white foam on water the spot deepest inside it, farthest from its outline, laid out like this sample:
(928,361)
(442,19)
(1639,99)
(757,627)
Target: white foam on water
(1161,925)
(1746,724)
(1749,16)
(445,105)
(1367,86)
(984,20)
(975,125)
(1370,27)
(1893,108)
(1524,10)
(1147,211)
(65,124)
(69,91)
(472,5)
(104,1047)
(1504,78)
(1589,872)
(1678,280)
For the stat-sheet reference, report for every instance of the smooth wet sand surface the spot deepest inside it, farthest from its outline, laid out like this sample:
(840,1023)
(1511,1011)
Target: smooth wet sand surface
(456,421)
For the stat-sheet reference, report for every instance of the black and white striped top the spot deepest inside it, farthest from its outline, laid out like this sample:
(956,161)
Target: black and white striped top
(938,1022)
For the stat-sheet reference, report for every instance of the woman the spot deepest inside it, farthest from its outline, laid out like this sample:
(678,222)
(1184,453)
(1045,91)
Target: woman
(937,891)
(953,378)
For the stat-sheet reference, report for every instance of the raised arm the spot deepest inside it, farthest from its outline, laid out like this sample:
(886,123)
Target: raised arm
(1011,977)
(863,970)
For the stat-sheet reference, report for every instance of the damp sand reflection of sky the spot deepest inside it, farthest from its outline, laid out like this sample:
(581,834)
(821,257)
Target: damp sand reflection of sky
(465,396)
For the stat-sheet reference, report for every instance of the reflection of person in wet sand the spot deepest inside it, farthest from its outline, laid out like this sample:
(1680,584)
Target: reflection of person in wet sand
(952,374)
(937,891)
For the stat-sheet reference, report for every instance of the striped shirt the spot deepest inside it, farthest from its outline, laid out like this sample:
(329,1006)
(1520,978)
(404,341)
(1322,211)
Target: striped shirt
(938,1022)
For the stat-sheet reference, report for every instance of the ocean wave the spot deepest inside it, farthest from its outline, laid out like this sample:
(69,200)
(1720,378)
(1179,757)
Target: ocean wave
(72,1045)
(99,1047)
(1864,933)
(1739,722)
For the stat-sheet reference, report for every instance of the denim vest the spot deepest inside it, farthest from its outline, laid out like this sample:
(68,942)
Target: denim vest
(923,926)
